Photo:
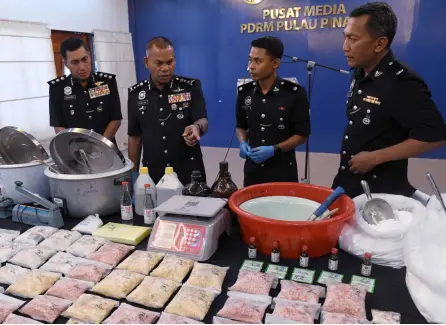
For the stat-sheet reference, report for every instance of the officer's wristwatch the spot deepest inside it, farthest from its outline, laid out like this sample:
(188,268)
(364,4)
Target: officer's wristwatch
(277,149)
(200,127)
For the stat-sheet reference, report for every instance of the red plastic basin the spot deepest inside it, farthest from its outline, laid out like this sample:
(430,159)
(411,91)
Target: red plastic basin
(319,236)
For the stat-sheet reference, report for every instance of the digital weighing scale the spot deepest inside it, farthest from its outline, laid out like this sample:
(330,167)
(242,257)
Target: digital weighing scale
(190,226)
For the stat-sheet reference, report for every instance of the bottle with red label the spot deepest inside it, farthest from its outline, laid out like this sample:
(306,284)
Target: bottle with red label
(275,253)
(304,258)
(126,204)
(333,261)
(149,205)
(366,267)
(252,249)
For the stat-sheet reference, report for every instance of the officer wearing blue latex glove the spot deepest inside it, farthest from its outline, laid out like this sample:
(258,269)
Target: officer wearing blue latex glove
(245,150)
(261,154)
(272,115)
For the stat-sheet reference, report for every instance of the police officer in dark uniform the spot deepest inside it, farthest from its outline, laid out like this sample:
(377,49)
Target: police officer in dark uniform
(272,117)
(84,99)
(167,117)
(389,107)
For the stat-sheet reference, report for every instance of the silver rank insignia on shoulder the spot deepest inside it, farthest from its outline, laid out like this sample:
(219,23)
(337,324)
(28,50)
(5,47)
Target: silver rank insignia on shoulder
(276,89)
(174,107)
(378,73)
(142,95)
(72,112)
(67,90)
(248,101)
(180,116)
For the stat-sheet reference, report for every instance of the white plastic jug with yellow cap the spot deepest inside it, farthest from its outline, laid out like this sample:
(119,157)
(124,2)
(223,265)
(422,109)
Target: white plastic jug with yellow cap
(168,186)
(139,190)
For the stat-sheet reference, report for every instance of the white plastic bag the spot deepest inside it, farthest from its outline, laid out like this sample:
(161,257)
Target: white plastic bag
(10,273)
(256,283)
(85,246)
(33,284)
(207,276)
(69,289)
(384,242)
(118,284)
(8,235)
(9,248)
(60,263)
(90,308)
(61,240)
(297,311)
(111,253)
(45,308)
(127,314)
(174,268)
(425,258)
(16,319)
(141,262)
(174,319)
(89,225)
(435,205)
(35,235)
(32,257)
(8,305)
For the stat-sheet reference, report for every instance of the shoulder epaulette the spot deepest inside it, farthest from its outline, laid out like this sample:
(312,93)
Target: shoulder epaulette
(290,85)
(57,80)
(185,80)
(247,86)
(104,75)
(397,68)
(138,85)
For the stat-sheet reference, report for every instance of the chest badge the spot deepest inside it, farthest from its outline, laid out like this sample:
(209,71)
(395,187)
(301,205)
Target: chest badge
(142,95)
(72,112)
(174,107)
(281,127)
(100,109)
(281,108)
(98,83)
(67,90)
(180,116)
(185,104)
(248,101)
(366,120)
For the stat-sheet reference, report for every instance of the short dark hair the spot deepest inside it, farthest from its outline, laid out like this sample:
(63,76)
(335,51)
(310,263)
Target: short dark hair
(272,45)
(71,44)
(160,42)
(382,19)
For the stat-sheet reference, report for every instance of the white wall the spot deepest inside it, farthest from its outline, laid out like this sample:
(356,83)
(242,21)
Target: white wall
(76,16)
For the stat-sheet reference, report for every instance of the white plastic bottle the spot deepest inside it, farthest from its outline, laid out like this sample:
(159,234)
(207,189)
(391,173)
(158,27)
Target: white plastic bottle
(168,186)
(139,190)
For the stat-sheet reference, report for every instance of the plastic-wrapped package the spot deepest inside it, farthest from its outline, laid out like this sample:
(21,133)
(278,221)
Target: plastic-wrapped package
(8,305)
(88,272)
(89,225)
(69,289)
(221,320)
(8,235)
(141,262)
(60,263)
(385,317)
(207,276)
(345,299)
(90,309)
(334,318)
(256,283)
(298,311)
(111,253)
(74,321)
(61,240)
(15,319)
(118,284)
(45,308)
(33,284)
(292,290)
(10,273)
(8,249)
(35,235)
(191,302)
(174,268)
(85,246)
(174,319)
(32,257)
(153,292)
(127,314)
(245,307)
(273,319)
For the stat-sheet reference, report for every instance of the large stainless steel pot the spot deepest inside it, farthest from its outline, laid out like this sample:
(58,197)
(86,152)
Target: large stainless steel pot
(88,194)
(32,176)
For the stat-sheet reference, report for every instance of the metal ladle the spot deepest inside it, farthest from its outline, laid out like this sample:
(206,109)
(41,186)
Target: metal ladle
(375,210)
(43,162)
(85,159)
(436,191)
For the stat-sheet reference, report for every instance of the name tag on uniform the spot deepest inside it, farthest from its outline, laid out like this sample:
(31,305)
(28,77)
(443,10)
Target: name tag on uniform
(178,98)
(70,97)
(99,91)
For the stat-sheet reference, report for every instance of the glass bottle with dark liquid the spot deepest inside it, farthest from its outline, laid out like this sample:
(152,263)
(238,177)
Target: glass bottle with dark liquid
(223,187)
(197,187)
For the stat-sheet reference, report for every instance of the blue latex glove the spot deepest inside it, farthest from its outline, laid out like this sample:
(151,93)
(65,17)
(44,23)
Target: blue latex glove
(245,150)
(134,177)
(261,154)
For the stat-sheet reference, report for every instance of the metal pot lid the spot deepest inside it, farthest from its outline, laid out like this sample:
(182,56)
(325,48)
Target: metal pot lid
(19,147)
(81,151)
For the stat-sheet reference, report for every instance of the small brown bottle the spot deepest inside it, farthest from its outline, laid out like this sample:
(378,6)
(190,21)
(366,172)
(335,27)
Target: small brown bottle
(252,249)
(304,258)
(223,187)
(366,267)
(275,253)
(333,261)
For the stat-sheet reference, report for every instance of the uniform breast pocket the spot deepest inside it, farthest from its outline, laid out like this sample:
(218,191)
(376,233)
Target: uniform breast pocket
(69,110)
(282,124)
